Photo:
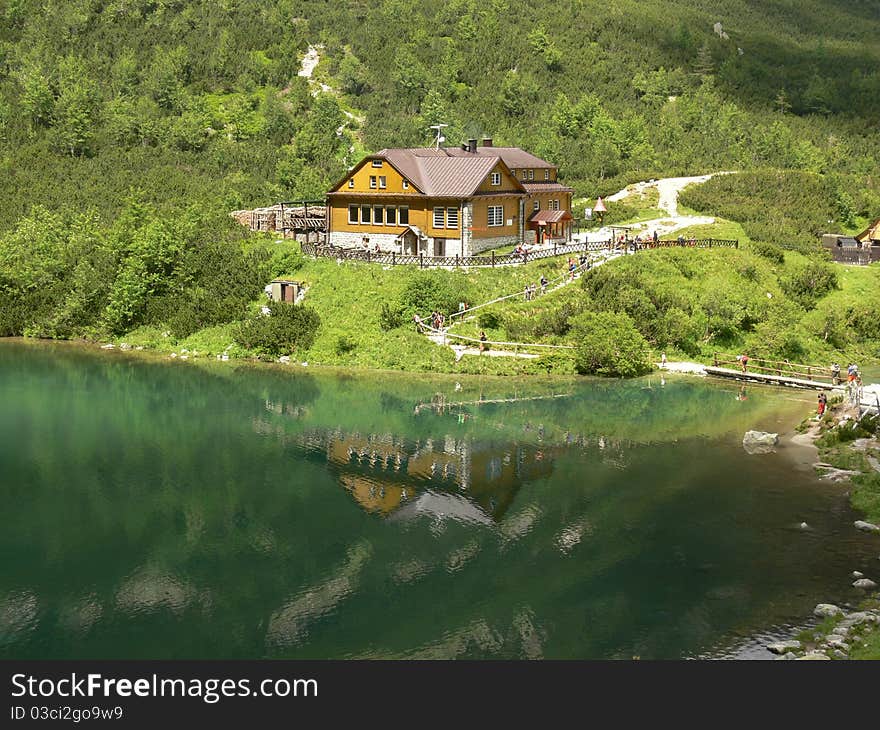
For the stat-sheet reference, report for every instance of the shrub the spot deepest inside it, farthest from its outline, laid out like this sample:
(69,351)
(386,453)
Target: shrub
(286,328)
(770,252)
(489,320)
(428,291)
(390,316)
(609,344)
(809,282)
(345,345)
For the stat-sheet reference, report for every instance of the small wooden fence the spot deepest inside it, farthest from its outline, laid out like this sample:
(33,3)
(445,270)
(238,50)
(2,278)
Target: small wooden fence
(782,368)
(492,259)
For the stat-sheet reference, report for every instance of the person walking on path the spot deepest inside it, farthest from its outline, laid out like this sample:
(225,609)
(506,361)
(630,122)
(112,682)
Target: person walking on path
(835,374)
(662,359)
(483,340)
(823,402)
(544,283)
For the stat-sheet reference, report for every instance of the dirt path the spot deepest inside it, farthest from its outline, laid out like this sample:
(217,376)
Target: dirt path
(668,190)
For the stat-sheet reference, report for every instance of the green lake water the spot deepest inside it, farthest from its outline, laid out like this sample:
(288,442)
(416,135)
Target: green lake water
(160,509)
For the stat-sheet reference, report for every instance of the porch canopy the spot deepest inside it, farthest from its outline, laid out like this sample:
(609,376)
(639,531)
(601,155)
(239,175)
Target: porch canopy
(545,217)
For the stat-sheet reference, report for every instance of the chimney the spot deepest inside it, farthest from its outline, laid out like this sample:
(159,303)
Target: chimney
(472,145)
(487,141)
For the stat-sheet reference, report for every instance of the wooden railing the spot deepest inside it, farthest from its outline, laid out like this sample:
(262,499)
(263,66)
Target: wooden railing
(493,259)
(783,368)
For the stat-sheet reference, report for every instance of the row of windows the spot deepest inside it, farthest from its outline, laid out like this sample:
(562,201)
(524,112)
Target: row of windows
(552,205)
(530,174)
(378,215)
(379,182)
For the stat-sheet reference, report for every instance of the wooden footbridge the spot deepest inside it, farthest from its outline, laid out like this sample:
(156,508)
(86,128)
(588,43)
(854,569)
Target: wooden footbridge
(774,372)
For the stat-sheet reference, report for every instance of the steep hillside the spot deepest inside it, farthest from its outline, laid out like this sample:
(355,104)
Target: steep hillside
(201,102)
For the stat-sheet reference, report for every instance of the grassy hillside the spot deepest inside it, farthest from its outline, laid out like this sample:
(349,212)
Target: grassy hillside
(134,126)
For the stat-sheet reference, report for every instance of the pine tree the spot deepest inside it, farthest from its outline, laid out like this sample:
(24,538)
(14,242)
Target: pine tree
(704,64)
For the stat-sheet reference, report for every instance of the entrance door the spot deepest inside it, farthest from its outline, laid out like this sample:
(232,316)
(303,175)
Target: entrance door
(409,243)
(439,246)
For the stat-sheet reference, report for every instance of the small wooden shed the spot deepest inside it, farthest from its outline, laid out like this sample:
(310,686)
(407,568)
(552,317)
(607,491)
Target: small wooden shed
(285,290)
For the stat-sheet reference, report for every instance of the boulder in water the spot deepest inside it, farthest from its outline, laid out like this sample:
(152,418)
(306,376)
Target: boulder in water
(760,442)
(866,526)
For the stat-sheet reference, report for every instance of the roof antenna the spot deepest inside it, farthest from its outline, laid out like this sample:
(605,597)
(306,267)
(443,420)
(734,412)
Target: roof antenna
(439,138)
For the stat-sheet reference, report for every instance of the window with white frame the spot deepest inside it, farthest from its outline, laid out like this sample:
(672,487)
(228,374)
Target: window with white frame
(537,206)
(546,174)
(531,174)
(496,215)
(377,215)
(439,217)
(365,214)
(403,215)
(382,182)
(390,216)
(496,178)
(352,214)
(452,217)
(351,182)
(406,184)
(372,182)
(377,163)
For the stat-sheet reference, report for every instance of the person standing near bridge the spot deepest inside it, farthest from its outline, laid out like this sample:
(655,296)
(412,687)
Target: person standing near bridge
(744,361)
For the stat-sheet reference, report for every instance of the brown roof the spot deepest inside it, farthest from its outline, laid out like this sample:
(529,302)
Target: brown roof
(457,173)
(442,172)
(550,216)
(546,187)
(513,157)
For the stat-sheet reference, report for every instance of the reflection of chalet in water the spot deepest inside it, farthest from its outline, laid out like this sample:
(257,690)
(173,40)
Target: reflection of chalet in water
(385,474)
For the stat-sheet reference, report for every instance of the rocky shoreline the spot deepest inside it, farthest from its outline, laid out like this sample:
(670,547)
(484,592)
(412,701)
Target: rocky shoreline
(841,631)
(836,636)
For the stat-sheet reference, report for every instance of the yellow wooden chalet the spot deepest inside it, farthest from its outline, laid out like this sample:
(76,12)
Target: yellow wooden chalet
(449,201)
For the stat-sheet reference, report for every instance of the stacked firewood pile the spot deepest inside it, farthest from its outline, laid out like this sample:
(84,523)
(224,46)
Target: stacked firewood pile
(304,222)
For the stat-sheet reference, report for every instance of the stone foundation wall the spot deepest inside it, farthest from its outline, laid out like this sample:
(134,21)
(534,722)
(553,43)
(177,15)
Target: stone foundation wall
(478,245)
(347,239)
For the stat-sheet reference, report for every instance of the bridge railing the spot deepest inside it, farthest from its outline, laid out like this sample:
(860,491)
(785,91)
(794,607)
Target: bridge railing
(392,258)
(783,368)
